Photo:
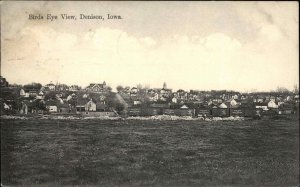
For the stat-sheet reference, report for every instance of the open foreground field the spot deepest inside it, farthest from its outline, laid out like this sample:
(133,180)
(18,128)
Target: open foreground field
(149,153)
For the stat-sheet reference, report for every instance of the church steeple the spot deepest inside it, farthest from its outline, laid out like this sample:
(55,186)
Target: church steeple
(165,85)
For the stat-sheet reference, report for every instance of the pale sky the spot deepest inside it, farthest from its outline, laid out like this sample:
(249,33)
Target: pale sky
(190,45)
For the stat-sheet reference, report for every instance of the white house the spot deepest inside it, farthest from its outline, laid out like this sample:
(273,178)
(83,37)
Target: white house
(133,90)
(272,104)
(60,100)
(154,97)
(162,98)
(6,106)
(22,92)
(39,97)
(232,102)
(51,86)
(137,102)
(52,108)
(288,98)
(90,106)
(174,100)
(235,97)
(69,97)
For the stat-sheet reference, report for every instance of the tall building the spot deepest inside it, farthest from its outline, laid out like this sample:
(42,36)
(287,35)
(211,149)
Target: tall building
(165,85)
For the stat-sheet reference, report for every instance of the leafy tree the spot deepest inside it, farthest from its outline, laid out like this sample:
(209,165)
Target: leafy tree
(120,88)
(282,90)
(119,107)
(50,95)
(38,105)
(109,88)
(73,101)
(33,86)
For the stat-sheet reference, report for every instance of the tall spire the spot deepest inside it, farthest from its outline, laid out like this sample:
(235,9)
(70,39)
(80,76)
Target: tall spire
(165,85)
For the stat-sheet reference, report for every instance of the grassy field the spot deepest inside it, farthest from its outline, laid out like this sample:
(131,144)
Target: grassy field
(149,153)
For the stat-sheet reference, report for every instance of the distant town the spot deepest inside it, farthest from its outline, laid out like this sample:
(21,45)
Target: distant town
(98,100)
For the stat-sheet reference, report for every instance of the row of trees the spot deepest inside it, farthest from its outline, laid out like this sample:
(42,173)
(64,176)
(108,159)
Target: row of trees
(280,90)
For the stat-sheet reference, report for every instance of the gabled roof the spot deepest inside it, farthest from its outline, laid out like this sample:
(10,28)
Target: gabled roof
(184,107)
(271,101)
(223,105)
(93,85)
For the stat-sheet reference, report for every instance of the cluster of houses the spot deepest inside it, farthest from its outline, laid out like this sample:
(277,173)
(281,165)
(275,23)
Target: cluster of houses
(57,99)
(97,99)
(210,103)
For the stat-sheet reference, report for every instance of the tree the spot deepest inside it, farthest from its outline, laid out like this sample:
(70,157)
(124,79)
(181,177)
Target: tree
(119,107)
(73,101)
(38,105)
(282,90)
(109,88)
(50,95)
(33,86)
(120,88)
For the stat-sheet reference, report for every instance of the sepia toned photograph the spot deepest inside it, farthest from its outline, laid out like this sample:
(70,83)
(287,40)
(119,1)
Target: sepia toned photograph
(149,93)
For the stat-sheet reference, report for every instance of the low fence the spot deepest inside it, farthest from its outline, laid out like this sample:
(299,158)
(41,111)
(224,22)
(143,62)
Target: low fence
(286,111)
(203,111)
(220,112)
(135,111)
(209,112)
(225,112)
(179,112)
(97,114)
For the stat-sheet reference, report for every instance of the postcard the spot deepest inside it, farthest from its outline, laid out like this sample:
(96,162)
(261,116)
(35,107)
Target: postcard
(138,93)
